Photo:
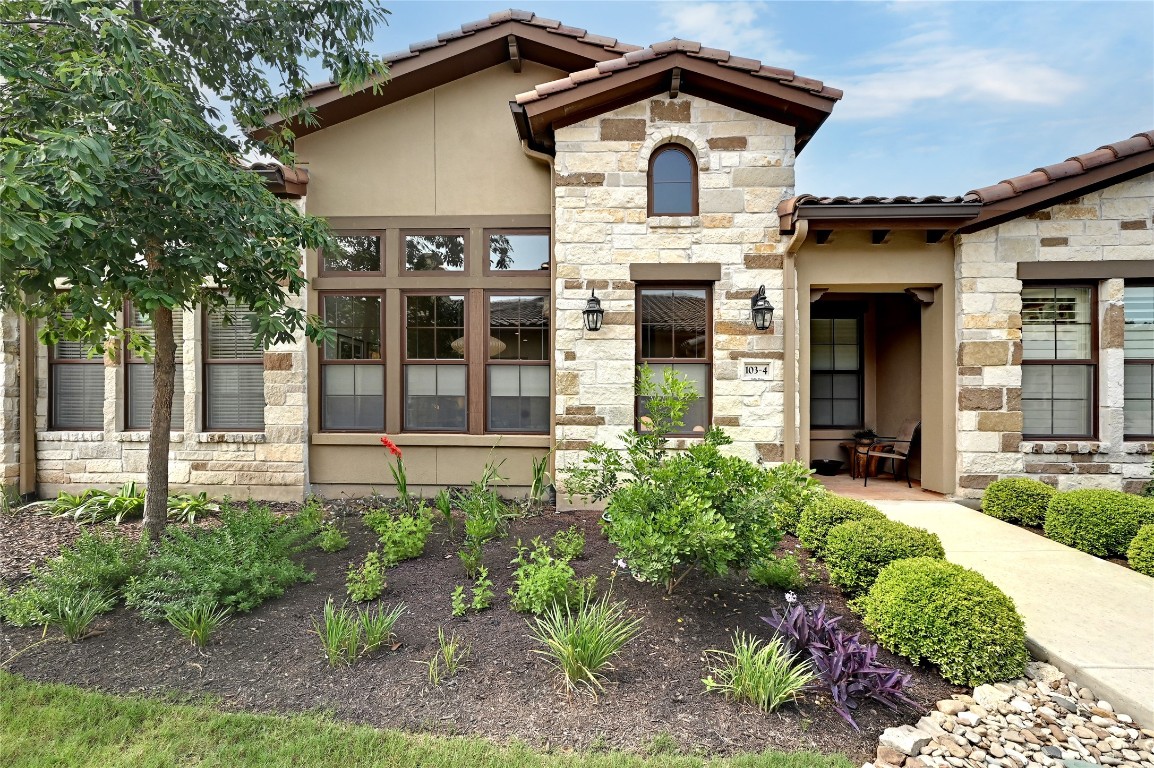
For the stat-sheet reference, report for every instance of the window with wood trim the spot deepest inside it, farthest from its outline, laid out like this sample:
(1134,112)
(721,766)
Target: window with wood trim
(354,253)
(675,331)
(517,373)
(1059,361)
(352,368)
(517,250)
(138,374)
(672,181)
(1138,408)
(75,387)
(436,364)
(435,251)
(233,371)
(836,366)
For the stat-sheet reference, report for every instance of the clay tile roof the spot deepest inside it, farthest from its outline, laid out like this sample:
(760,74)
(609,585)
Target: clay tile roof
(713,54)
(1071,168)
(282,180)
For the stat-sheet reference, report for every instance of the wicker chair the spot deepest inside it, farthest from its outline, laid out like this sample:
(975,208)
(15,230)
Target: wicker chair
(893,449)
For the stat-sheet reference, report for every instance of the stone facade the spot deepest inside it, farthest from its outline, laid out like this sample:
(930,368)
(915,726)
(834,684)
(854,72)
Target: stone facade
(269,464)
(1116,223)
(745,167)
(9,404)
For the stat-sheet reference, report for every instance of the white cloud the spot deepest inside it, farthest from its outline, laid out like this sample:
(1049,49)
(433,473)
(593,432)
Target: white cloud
(739,28)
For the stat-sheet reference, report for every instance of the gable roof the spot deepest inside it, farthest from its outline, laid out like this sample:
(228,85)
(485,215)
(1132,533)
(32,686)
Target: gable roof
(980,208)
(675,66)
(509,35)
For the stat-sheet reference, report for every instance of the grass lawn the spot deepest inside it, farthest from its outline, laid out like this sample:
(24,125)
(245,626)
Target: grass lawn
(57,725)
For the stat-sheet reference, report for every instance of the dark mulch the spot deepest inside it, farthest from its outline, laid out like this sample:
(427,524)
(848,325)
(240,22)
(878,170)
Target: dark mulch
(270,661)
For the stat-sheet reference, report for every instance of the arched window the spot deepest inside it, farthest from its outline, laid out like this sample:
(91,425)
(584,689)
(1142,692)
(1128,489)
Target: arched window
(672,182)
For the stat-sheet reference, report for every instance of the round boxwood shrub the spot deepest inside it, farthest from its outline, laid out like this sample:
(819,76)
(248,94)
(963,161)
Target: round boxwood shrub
(948,615)
(824,513)
(1096,521)
(1017,500)
(856,551)
(1141,552)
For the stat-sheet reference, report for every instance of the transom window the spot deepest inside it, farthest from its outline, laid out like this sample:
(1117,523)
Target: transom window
(354,253)
(1059,361)
(835,361)
(1139,351)
(138,371)
(518,251)
(675,332)
(435,251)
(672,182)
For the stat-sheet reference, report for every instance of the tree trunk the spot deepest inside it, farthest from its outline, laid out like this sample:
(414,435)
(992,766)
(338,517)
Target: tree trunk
(163,384)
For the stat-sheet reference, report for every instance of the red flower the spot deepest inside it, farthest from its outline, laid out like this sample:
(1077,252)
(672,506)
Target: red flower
(393,449)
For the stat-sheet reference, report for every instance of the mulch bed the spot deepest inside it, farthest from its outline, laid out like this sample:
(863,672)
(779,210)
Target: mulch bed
(270,660)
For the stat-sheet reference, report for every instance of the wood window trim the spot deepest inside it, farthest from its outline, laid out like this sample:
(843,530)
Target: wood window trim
(466,259)
(1092,361)
(472,383)
(489,271)
(205,361)
(695,206)
(842,310)
(545,362)
(322,361)
(53,361)
(379,272)
(707,361)
(1135,437)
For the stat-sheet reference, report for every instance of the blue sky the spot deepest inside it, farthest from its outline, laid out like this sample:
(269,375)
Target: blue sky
(941,97)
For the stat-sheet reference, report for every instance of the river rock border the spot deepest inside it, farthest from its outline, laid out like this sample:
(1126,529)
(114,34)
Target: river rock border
(1038,721)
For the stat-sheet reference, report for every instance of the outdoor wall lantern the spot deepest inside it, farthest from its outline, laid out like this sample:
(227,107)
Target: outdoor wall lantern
(762,310)
(593,313)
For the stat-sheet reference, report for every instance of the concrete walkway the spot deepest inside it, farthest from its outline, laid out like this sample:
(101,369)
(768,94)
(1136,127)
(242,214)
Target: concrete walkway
(1092,619)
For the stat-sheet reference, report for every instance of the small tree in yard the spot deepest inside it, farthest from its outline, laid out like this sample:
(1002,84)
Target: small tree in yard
(118,181)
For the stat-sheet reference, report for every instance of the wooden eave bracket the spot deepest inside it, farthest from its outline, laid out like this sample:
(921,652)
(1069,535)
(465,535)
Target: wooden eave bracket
(675,83)
(922,295)
(514,54)
(879,236)
(816,293)
(822,236)
(934,236)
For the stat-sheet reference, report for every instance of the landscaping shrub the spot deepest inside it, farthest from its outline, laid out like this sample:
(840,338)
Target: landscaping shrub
(450,658)
(779,572)
(543,580)
(346,635)
(569,544)
(848,666)
(766,675)
(96,562)
(857,550)
(1098,522)
(73,613)
(332,538)
(97,506)
(366,582)
(237,565)
(198,623)
(581,643)
(827,511)
(403,536)
(792,488)
(1017,500)
(1140,555)
(948,615)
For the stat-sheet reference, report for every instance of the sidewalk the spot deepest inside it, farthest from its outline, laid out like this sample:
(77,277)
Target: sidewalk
(1092,619)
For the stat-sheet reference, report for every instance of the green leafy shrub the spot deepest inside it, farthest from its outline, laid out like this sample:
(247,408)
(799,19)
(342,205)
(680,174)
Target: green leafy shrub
(1098,522)
(543,580)
(1017,500)
(403,536)
(569,544)
(855,552)
(828,511)
(96,562)
(763,674)
(331,538)
(482,591)
(311,516)
(460,607)
(1140,555)
(778,572)
(127,503)
(485,513)
(581,643)
(924,608)
(238,565)
(367,581)
(792,488)
(74,612)
(197,623)
(186,508)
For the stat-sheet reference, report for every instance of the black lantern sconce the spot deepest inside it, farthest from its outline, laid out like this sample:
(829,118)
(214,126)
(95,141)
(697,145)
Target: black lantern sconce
(762,310)
(593,313)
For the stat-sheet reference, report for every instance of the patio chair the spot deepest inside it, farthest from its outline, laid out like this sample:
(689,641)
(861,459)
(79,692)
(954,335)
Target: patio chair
(897,449)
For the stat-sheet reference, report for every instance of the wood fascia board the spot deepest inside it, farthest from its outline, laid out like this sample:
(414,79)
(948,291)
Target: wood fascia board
(1033,200)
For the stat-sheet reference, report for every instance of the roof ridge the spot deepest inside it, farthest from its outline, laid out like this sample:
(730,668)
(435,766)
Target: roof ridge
(690,48)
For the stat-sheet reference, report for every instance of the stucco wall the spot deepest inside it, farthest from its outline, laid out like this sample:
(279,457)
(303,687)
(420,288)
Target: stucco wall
(745,167)
(1112,224)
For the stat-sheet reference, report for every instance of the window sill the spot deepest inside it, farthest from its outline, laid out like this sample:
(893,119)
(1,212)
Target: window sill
(432,440)
(1139,448)
(673,222)
(1063,446)
(230,437)
(70,436)
(141,436)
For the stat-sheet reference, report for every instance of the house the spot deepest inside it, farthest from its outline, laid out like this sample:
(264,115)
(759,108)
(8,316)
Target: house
(516,172)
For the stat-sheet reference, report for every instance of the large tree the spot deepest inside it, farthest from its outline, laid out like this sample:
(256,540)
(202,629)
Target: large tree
(119,180)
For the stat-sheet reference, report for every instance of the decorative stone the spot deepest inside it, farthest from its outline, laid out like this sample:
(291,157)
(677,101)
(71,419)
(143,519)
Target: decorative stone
(989,697)
(969,718)
(1021,705)
(1043,672)
(890,755)
(951,707)
(905,739)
